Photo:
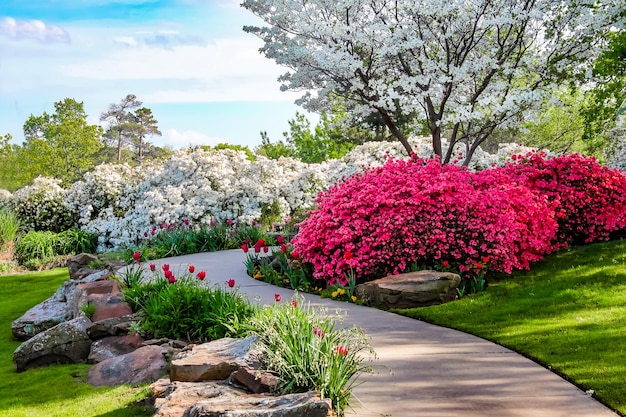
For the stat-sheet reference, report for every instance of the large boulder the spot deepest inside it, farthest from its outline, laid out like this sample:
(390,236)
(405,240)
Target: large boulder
(47,314)
(413,289)
(214,360)
(67,342)
(143,365)
(213,398)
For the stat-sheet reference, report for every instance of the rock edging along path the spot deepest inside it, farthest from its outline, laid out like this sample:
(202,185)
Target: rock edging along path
(425,370)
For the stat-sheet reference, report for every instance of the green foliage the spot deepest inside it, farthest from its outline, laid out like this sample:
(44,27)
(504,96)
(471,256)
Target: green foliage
(559,127)
(185,309)
(566,313)
(88,309)
(186,239)
(60,145)
(325,142)
(302,345)
(54,391)
(603,101)
(36,249)
(9,226)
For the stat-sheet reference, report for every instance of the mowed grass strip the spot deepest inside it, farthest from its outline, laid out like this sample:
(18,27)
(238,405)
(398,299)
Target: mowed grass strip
(58,390)
(568,313)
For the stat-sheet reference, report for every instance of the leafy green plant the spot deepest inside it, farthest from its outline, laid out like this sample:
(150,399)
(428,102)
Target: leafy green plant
(36,248)
(74,241)
(39,248)
(302,345)
(9,226)
(89,309)
(181,307)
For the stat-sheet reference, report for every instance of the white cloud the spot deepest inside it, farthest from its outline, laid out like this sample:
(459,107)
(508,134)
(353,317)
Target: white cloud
(176,139)
(33,29)
(229,69)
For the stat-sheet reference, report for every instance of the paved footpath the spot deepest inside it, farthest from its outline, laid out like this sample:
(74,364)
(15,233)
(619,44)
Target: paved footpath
(425,370)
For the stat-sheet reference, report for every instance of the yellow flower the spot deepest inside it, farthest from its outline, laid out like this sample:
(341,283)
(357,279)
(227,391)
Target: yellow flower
(334,294)
(258,275)
(354,298)
(341,291)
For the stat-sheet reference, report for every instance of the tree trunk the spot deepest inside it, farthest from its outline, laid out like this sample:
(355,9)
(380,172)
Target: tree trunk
(395,131)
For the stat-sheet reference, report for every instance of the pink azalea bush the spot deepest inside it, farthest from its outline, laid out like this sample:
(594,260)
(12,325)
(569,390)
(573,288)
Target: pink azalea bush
(590,198)
(420,211)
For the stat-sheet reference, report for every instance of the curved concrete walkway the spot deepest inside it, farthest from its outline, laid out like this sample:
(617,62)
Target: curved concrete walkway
(425,370)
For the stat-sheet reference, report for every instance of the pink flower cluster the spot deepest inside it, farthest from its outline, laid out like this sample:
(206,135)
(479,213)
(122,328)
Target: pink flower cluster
(590,198)
(420,211)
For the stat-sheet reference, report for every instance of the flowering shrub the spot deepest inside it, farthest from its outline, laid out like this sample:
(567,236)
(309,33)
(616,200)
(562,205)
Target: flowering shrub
(42,206)
(590,198)
(420,211)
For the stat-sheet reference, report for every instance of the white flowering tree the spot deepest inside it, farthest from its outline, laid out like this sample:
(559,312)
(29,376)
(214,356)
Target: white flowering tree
(462,67)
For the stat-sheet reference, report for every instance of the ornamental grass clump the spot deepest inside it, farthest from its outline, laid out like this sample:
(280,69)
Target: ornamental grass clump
(421,212)
(305,348)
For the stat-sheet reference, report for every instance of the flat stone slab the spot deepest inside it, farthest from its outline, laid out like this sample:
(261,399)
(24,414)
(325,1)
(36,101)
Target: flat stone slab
(218,399)
(214,360)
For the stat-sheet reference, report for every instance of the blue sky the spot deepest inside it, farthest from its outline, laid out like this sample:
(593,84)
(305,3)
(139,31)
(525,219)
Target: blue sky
(187,60)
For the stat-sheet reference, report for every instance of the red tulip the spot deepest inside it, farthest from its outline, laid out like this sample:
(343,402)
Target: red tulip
(244,248)
(266,249)
(485,259)
(445,264)
(168,274)
(231,283)
(152,267)
(295,255)
(137,256)
(166,267)
(341,350)
(171,279)
(347,256)
(280,239)
(191,269)
(277,297)
(478,266)
(283,248)
(201,275)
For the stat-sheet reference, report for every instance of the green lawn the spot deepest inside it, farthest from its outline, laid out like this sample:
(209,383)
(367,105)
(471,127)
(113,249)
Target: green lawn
(59,390)
(568,313)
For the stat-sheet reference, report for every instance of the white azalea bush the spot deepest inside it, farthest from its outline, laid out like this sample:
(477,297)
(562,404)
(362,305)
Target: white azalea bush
(122,204)
(5,198)
(42,206)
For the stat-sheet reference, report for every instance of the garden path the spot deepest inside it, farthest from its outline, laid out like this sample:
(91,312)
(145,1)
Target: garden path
(426,370)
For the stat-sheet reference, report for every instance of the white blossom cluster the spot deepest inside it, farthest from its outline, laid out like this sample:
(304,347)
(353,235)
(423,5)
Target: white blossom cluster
(5,198)
(122,203)
(42,205)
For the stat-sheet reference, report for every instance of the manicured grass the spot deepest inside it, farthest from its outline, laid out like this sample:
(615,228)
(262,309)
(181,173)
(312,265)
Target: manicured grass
(59,390)
(568,313)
